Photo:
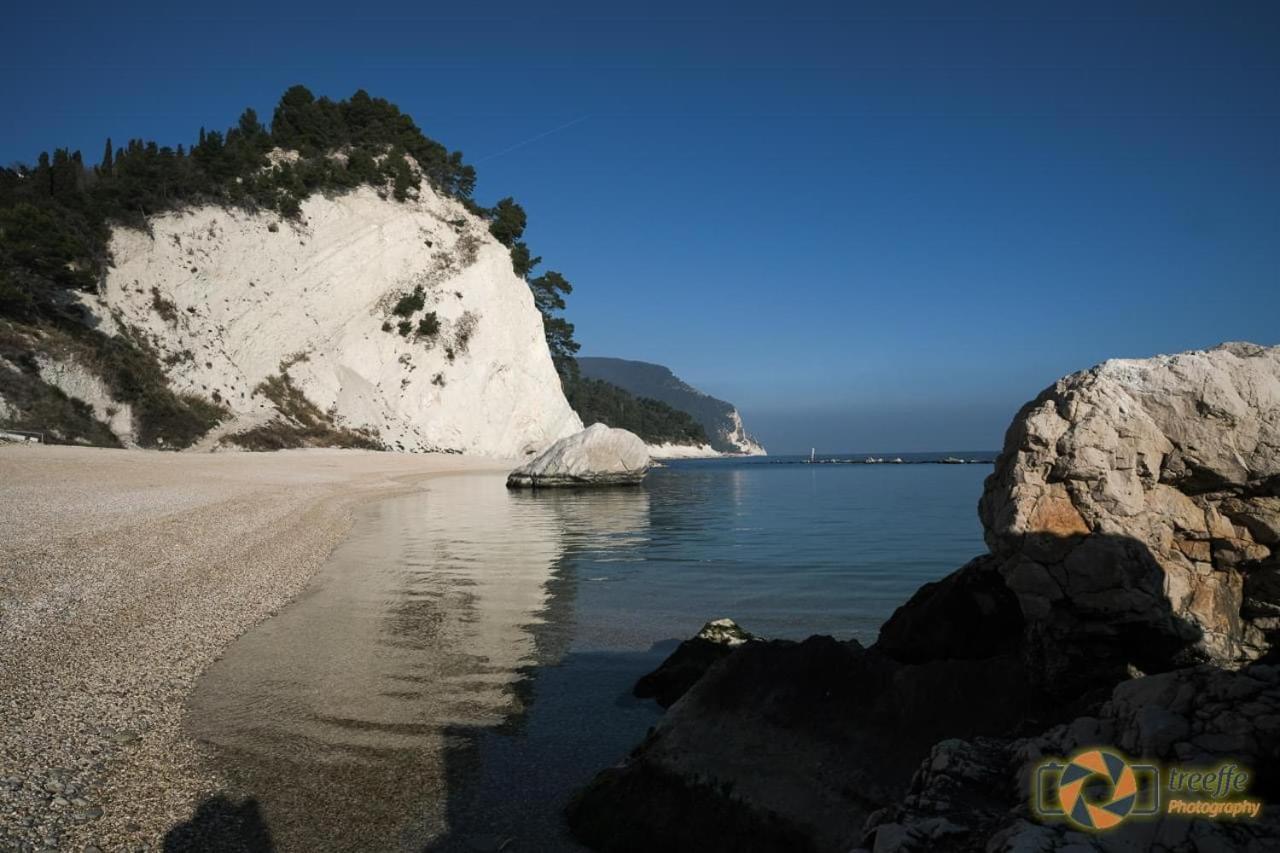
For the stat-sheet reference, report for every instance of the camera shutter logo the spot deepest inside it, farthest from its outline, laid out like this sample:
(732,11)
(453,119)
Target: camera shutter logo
(1091,771)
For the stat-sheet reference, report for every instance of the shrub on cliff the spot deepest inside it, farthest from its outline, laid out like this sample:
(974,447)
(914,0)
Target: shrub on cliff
(406,306)
(429,325)
(124,364)
(299,422)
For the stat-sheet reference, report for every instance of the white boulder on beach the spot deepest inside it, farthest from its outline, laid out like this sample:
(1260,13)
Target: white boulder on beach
(598,456)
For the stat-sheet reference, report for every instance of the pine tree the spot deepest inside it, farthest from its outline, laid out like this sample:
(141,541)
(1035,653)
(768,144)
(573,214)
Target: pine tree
(547,289)
(559,333)
(249,125)
(105,168)
(63,175)
(507,221)
(521,261)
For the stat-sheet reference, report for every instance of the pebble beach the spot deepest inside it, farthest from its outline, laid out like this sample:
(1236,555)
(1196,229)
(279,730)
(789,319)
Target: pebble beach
(123,575)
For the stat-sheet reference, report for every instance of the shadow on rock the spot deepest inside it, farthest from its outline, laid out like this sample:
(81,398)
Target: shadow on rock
(792,746)
(1130,598)
(220,825)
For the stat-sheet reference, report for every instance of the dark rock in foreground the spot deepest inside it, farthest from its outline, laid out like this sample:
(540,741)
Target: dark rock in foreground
(809,738)
(691,660)
(1129,600)
(704,816)
(972,794)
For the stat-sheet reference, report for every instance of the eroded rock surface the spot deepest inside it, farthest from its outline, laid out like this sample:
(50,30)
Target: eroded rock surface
(1134,512)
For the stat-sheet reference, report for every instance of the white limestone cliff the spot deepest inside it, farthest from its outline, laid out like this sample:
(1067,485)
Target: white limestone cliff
(668,450)
(230,298)
(737,436)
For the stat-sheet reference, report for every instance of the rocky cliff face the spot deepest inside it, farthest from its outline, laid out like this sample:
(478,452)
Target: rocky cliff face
(398,323)
(1142,499)
(721,420)
(1129,600)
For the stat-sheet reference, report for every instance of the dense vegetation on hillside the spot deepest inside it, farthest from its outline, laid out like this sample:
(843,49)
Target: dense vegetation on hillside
(56,217)
(653,421)
(719,418)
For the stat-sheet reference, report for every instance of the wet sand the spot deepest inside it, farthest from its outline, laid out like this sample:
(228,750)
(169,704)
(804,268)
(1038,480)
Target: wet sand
(123,576)
(420,694)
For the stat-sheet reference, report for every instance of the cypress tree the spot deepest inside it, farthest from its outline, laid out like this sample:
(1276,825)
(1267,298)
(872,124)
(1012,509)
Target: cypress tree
(105,168)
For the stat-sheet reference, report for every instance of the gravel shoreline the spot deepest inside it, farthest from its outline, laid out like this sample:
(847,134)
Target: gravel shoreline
(123,575)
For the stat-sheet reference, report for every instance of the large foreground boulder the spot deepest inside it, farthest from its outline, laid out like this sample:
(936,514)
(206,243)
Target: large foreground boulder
(1135,513)
(598,456)
(1131,599)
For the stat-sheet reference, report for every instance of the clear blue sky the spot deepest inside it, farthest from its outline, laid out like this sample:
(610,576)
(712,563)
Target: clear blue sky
(873,226)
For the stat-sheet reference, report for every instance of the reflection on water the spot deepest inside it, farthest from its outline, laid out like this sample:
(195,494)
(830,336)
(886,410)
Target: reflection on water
(347,713)
(464,660)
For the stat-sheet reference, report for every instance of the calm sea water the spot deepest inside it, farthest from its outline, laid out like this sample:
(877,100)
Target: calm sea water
(464,660)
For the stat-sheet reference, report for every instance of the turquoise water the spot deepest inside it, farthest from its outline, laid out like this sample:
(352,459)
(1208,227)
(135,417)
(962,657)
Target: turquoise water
(464,660)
